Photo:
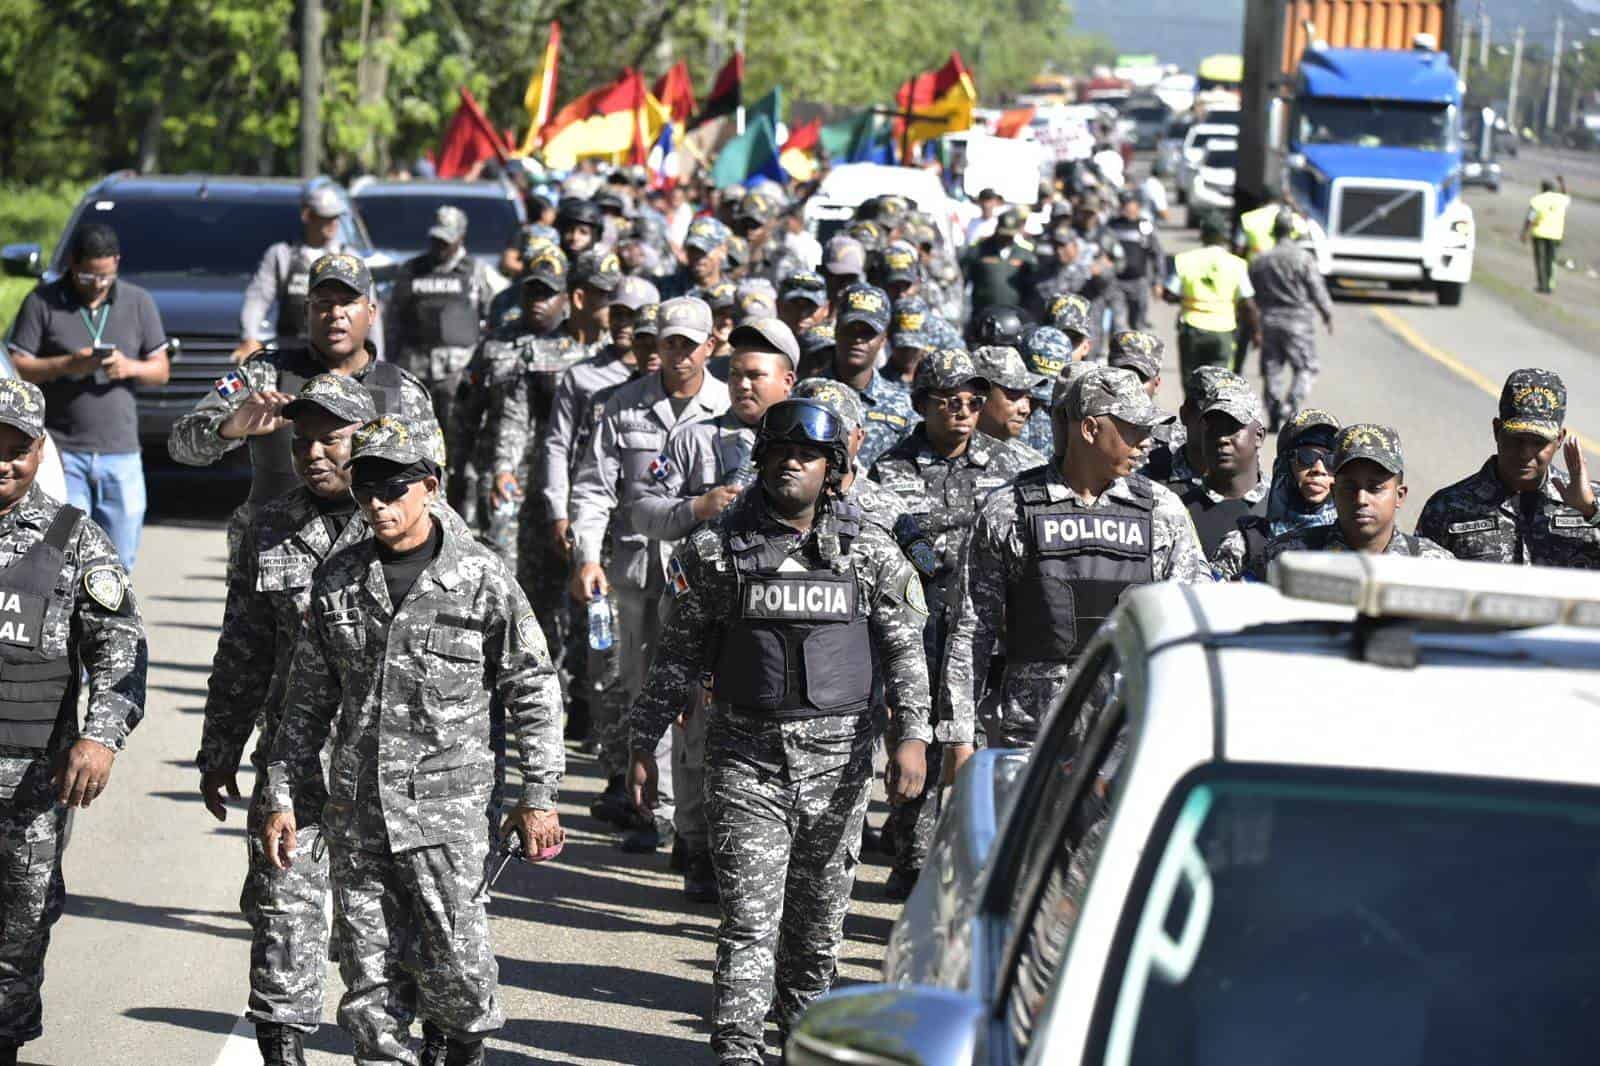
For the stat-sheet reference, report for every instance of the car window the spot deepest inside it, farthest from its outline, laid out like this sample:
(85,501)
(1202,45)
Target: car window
(1065,814)
(1226,158)
(1372,918)
(194,236)
(403,221)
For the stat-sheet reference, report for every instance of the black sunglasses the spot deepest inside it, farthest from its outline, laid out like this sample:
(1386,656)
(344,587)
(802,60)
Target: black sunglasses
(387,491)
(1309,455)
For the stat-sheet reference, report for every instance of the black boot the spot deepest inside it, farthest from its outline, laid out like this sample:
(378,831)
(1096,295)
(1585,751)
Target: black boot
(648,837)
(279,1044)
(700,879)
(679,861)
(612,805)
(434,1045)
(463,1053)
(8,1054)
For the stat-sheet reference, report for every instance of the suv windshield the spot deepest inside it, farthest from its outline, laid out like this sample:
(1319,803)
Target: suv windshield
(1223,158)
(188,235)
(1334,918)
(1377,124)
(402,220)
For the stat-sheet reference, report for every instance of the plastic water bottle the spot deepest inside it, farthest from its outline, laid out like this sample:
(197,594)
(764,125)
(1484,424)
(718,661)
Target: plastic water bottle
(600,632)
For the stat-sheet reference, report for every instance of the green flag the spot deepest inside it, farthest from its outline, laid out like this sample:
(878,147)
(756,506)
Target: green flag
(770,105)
(754,153)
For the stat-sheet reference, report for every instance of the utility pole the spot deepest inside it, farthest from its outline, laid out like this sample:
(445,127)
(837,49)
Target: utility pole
(1516,77)
(744,20)
(1555,80)
(1464,50)
(311,27)
(1483,37)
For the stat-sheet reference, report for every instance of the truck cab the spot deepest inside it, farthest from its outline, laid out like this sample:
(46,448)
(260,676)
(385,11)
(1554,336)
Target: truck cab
(1373,156)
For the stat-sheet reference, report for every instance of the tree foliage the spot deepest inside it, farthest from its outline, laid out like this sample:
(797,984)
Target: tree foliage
(213,85)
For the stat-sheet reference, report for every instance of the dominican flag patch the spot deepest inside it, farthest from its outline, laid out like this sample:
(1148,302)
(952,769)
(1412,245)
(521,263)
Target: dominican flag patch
(660,467)
(232,384)
(676,577)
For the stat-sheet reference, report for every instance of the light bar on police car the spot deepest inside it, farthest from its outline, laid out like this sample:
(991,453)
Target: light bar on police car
(1445,590)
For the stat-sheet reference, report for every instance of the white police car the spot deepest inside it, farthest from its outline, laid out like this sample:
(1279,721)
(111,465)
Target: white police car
(1354,818)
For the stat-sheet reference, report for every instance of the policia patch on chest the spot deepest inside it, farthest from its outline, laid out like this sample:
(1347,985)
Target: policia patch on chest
(1056,533)
(808,597)
(21,618)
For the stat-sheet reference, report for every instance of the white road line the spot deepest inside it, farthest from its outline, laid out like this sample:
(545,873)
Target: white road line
(240,1048)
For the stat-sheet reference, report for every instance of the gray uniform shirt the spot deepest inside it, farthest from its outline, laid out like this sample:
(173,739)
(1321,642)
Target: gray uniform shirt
(698,456)
(574,412)
(1288,284)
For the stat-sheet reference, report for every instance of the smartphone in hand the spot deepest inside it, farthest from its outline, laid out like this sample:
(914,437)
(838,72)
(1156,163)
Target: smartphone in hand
(102,353)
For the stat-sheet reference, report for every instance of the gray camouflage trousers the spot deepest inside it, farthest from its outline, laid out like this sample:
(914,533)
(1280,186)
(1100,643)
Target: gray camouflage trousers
(784,802)
(413,935)
(33,830)
(1289,365)
(287,912)
(615,678)
(689,775)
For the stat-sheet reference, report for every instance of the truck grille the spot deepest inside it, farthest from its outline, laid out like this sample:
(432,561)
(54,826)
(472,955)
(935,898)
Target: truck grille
(1381,212)
(201,361)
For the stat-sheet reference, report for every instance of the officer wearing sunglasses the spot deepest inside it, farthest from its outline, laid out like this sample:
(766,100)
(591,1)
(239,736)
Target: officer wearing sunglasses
(786,598)
(408,638)
(1301,495)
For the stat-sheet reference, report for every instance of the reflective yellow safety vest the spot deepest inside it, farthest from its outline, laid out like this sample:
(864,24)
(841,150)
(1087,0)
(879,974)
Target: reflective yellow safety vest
(1208,285)
(1257,228)
(1549,215)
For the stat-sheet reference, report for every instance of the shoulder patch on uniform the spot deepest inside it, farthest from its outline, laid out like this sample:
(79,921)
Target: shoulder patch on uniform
(106,586)
(677,580)
(914,597)
(660,468)
(528,632)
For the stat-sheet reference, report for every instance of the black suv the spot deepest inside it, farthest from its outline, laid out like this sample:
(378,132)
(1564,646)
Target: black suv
(194,242)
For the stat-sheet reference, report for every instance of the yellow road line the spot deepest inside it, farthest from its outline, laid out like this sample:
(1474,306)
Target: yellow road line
(1423,346)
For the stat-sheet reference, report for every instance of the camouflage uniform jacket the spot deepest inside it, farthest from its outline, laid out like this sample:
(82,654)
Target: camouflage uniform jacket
(697,457)
(493,371)
(705,593)
(579,402)
(268,593)
(1477,518)
(995,557)
(887,414)
(406,690)
(519,411)
(1330,539)
(195,440)
(109,642)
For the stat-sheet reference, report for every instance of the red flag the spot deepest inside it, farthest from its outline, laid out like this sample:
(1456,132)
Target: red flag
(676,90)
(469,140)
(540,97)
(727,94)
(942,99)
(805,138)
(611,121)
(1013,122)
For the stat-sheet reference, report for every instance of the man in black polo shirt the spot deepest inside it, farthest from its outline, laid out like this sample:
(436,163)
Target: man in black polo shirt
(87,340)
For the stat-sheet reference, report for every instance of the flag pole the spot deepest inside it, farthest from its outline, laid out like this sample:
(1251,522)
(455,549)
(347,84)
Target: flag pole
(744,18)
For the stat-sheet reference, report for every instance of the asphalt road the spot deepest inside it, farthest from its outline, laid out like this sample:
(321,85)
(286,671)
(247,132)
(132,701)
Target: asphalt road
(600,959)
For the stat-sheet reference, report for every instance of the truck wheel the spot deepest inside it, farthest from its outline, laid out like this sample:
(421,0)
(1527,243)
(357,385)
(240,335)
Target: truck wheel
(1449,292)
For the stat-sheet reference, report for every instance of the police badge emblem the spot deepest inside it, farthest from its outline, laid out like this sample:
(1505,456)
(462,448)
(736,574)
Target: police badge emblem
(105,586)
(528,631)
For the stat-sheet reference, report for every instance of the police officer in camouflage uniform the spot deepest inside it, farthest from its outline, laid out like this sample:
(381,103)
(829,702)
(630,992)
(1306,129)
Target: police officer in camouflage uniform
(1515,509)
(754,220)
(1008,410)
(784,598)
(268,594)
(66,613)
(408,637)
(1369,485)
(1047,352)
(705,250)
(704,467)
(1177,456)
(802,300)
(622,459)
(1289,291)
(1232,488)
(1087,522)
(440,302)
(943,469)
(284,276)
(1139,273)
(1073,315)
(862,327)
(248,406)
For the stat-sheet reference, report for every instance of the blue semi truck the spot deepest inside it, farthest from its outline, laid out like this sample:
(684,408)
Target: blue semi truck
(1351,110)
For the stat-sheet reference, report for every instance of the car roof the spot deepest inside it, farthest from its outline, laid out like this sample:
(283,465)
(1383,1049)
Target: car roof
(434,187)
(856,183)
(128,186)
(1512,704)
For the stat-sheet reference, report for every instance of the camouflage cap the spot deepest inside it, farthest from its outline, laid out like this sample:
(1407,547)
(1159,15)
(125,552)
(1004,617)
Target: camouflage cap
(393,439)
(723,296)
(449,224)
(1236,399)
(343,397)
(341,267)
(756,303)
(738,250)
(804,285)
(1533,401)
(864,303)
(1302,423)
(1003,366)
(531,240)
(836,396)
(1072,314)
(22,406)
(647,321)
(1069,377)
(597,269)
(1109,390)
(1047,351)
(1365,440)
(947,368)
(323,200)
(1138,351)
(685,317)
(706,234)
(871,235)
(633,293)
(1204,381)
(844,255)
(897,262)
(1010,222)
(819,338)
(547,267)
(908,324)
(756,207)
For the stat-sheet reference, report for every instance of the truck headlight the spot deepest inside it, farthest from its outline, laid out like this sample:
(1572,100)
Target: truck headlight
(1461,227)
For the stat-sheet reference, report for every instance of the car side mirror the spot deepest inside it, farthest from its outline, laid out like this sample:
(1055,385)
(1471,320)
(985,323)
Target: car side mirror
(22,260)
(913,1026)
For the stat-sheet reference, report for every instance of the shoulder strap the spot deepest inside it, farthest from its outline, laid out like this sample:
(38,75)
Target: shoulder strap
(384,381)
(1142,490)
(59,535)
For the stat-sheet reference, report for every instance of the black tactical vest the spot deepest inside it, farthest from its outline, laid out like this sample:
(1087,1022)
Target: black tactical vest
(270,455)
(442,311)
(1078,562)
(1215,519)
(38,691)
(292,291)
(799,646)
(1133,236)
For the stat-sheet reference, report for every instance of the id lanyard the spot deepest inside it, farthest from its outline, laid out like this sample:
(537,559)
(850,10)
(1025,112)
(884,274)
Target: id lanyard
(96,324)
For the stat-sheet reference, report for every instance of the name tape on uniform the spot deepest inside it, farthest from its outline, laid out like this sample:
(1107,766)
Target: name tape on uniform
(438,286)
(1070,532)
(799,600)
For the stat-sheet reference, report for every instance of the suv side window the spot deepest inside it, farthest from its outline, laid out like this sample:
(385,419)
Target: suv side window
(1064,841)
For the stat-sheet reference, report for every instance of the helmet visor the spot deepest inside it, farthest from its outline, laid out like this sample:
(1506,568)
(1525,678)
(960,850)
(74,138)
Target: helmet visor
(796,422)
